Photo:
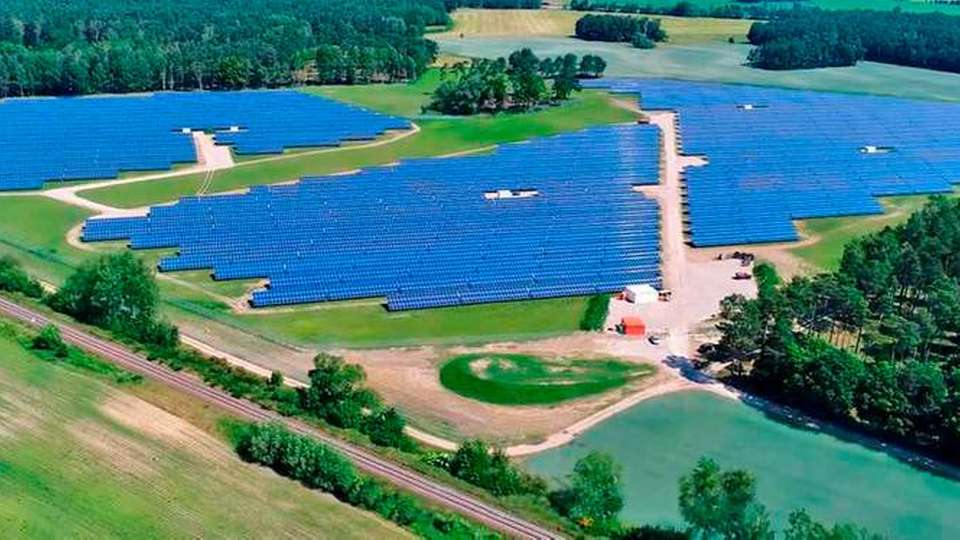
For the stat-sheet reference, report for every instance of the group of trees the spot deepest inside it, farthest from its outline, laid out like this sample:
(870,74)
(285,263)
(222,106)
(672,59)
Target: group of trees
(722,505)
(810,38)
(91,46)
(14,279)
(318,467)
(683,8)
(336,394)
(492,4)
(519,82)
(642,32)
(873,344)
(117,293)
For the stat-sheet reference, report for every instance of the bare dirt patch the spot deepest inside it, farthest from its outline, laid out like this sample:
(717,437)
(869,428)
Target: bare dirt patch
(408,379)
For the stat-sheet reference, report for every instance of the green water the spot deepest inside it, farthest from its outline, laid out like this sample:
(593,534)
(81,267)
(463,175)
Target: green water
(660,440)
(722,62)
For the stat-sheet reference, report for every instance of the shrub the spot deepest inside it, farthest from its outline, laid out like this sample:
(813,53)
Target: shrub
(640,41)
(595,315)
(49,339)
(14,279)
(317,466)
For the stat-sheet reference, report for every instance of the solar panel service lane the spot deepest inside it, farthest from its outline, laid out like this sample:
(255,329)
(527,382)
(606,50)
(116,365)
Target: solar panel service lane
(550,217)
(47,140)
(778,155)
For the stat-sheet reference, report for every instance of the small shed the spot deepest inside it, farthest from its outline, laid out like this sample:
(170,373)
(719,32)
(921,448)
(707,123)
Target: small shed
(641,294)
(633,326)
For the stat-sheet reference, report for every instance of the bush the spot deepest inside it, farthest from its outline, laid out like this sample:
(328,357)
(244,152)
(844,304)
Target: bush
(595,316)
(641,41)
(49,339)
(617,28)
(490,469)
(117,293)
(319,467)
(14,279)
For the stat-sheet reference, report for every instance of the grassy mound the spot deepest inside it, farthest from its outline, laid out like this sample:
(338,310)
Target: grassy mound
(518,379)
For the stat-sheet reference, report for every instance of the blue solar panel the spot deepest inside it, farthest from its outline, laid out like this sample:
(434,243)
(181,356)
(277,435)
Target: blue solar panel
(547,218)
(778,155)
(46,140)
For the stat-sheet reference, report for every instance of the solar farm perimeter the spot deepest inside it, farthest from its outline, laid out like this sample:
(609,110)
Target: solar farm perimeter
(551,217)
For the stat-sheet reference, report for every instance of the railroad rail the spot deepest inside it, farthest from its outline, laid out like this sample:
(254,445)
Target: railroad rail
(365,460)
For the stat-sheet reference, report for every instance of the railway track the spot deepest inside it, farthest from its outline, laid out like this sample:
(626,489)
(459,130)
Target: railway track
(365,460)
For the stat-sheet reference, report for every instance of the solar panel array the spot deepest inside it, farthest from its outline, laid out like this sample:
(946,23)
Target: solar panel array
(44,139)
(777,155)
(551,217)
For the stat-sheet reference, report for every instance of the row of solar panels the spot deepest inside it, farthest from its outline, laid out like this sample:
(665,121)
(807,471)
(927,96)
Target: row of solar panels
(45,140)
(777,155)
(427,232)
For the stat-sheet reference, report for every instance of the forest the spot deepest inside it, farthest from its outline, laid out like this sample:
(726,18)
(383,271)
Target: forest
(873,344)
(642,32)
(683,8)
(51,47)
(520,82)
(812,38)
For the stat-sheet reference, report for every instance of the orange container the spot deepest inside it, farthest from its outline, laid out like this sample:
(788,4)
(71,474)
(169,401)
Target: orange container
(633,326)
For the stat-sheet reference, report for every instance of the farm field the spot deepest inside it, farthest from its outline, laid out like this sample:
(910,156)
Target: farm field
(723,62)
(474,23)
(82,459)
(834,233)
(437,137)
(519,379)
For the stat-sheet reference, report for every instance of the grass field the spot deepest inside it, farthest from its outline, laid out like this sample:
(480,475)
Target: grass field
(724,62)
(835,233)
(518,379)
(79,459)
(473,23)
(437,137)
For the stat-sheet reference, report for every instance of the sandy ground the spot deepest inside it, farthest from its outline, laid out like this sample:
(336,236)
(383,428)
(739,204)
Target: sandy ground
(408,378)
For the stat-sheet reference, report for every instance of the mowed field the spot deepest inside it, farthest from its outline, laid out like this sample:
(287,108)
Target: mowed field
(832,234)
(555,23)
(81,459)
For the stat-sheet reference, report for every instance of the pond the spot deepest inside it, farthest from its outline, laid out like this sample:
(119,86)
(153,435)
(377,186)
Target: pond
(834,480)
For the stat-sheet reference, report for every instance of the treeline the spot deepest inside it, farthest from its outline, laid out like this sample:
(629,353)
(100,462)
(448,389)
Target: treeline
(492,4)
(91,46)
(318,467)
(873,344)
(810,38)
(520,82)
(642,32)
(682,8)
